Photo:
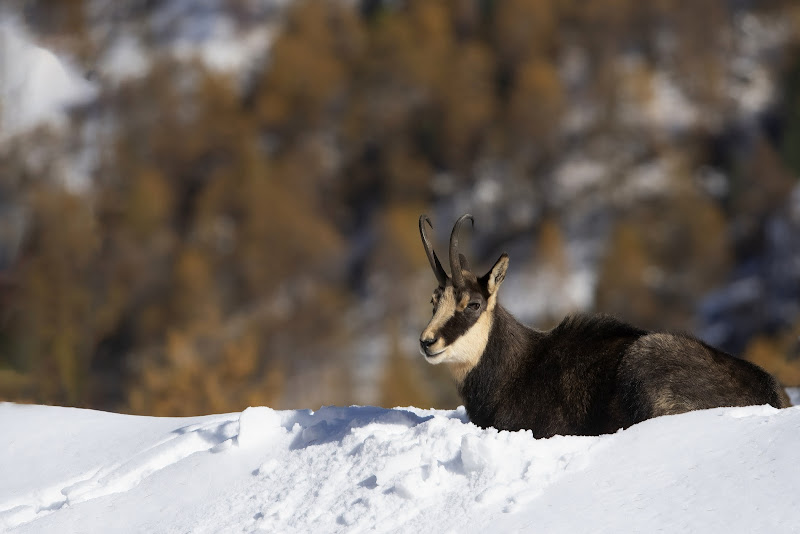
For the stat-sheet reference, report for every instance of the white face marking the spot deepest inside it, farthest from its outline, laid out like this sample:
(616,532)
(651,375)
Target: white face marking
(466,351)
(445,309)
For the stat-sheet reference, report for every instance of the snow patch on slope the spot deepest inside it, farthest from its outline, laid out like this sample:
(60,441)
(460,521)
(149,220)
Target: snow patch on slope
(36,86)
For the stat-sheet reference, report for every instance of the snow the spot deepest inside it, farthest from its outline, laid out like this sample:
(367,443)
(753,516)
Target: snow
(126,59)
(36,86)
(749,83)
(228,40)
(227,50)
(578,175)
(401,470)
(668,107)
(557,293)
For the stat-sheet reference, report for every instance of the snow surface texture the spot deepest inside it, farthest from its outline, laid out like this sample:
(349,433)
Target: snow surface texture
(402,470)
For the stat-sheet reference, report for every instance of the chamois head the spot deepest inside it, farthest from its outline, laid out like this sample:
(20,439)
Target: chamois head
(463,306)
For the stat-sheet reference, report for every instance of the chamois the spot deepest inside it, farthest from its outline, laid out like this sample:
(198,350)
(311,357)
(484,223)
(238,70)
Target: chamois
(589,375)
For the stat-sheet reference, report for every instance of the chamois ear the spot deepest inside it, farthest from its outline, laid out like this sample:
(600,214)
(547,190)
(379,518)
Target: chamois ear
(496,275)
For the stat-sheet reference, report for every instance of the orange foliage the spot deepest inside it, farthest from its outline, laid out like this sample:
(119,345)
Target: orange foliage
(229,231)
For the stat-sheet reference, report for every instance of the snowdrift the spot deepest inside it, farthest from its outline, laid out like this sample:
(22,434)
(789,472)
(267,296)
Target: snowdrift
(402,470)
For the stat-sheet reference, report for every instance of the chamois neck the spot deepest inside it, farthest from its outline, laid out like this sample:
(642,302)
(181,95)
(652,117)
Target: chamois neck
(507,341)
(513,326)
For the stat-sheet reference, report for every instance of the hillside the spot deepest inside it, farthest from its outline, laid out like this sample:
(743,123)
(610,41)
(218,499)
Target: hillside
(401,470)
(197,192)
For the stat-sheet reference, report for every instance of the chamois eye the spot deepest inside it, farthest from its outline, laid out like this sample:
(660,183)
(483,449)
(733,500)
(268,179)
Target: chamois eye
(474,306)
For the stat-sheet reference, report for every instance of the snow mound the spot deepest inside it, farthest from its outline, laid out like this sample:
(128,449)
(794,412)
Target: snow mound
(401,470)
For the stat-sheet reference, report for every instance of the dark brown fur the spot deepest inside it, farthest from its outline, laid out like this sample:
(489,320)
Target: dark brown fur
(595,375)
(588,375)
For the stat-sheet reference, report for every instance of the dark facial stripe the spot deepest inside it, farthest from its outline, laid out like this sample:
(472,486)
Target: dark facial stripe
(457,326)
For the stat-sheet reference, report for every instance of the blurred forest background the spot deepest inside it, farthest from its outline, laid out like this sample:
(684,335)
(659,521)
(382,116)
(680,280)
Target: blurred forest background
(231,218)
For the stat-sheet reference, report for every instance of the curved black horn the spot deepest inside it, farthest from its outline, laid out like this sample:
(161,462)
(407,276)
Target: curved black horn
(438,270)
(455,263)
